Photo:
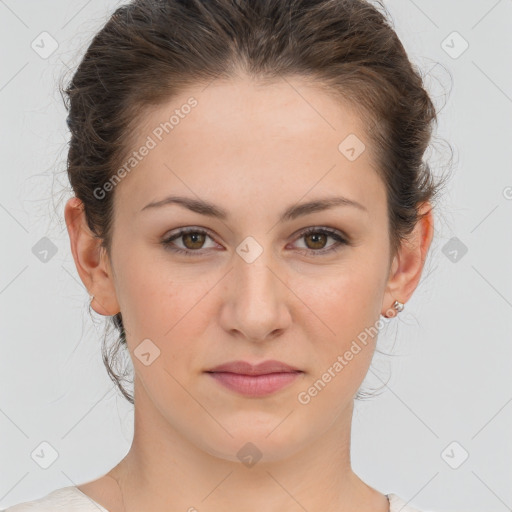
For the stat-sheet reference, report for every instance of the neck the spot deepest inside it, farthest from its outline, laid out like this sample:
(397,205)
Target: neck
(165,470)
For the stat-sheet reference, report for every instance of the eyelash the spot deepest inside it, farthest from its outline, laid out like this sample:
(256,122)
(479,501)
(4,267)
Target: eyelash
(325,231)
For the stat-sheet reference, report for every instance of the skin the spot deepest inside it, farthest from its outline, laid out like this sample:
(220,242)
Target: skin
(253,150)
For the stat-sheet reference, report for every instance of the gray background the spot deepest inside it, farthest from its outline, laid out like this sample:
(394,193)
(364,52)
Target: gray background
(450,375)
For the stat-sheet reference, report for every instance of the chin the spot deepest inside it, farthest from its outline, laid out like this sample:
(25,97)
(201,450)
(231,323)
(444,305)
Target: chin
(251,444)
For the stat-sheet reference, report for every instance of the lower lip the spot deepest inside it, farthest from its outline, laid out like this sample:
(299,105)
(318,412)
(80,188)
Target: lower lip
(255,385)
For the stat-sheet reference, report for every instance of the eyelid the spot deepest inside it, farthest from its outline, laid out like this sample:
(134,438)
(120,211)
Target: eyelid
(326,229)
(179,232)
(339,236)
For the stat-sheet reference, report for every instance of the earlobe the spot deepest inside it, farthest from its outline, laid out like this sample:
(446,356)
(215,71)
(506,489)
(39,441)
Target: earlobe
(90,260)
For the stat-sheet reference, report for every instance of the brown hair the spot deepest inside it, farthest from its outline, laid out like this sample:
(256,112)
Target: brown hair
(150,50)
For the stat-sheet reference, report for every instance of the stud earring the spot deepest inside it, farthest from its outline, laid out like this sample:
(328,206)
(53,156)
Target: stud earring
(398,306)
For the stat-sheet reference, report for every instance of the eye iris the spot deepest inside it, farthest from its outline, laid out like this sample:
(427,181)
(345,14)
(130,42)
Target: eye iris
(196,239)
(316,236)
(194,235)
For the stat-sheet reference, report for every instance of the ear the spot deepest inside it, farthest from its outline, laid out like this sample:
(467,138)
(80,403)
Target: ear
(91,260)
(408,263)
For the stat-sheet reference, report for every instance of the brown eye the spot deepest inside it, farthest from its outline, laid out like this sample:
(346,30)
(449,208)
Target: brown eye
(318,240)
(315,240)
(193,240)
(187,241)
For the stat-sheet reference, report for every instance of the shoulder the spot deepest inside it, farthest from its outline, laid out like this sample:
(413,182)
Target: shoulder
(68,498)
(397,504)
(72,499)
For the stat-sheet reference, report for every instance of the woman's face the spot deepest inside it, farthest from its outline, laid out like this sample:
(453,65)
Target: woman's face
(254,287)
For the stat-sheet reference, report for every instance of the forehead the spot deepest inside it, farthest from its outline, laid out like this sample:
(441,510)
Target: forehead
(287,139)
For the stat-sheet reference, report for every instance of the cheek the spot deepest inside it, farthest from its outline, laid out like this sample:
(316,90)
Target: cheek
(342,320)
(347,299)
(343,341)
(160,304)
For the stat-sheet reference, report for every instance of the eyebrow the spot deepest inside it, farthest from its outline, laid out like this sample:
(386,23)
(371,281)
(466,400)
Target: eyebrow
(292,212)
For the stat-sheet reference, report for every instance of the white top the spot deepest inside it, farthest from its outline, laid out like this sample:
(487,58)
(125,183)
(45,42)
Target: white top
(72,499)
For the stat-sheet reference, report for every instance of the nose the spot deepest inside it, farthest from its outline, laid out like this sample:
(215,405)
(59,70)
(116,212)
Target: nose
(256,302)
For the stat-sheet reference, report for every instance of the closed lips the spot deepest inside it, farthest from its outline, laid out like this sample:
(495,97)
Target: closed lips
(246,368)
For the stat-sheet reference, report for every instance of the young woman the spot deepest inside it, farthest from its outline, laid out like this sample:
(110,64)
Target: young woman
(250,199)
